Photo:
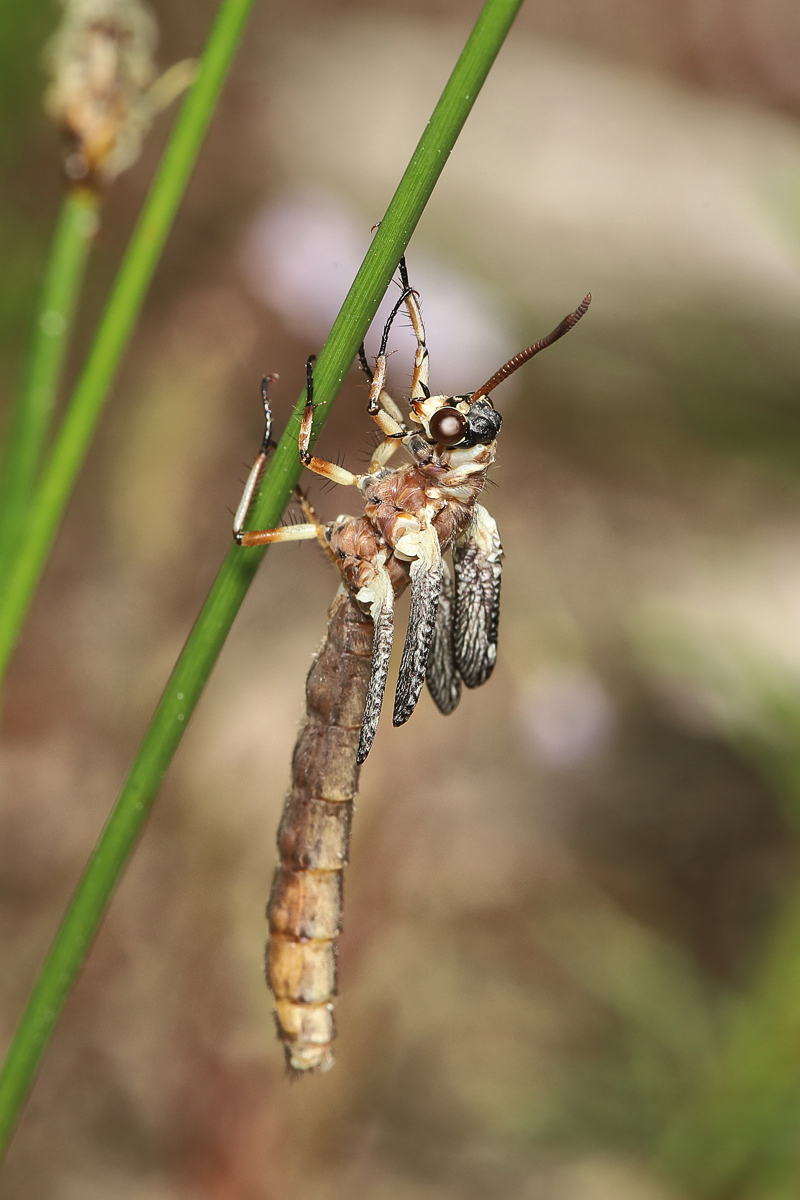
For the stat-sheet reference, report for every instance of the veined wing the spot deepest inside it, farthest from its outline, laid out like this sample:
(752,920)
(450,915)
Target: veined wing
(442,676)
(426,586)
(477,560)
(380,596)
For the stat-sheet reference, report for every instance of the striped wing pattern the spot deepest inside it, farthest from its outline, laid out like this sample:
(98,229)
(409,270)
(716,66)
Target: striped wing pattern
(383,620)
(452,629)
(426,587)
(444,682)
(477,561)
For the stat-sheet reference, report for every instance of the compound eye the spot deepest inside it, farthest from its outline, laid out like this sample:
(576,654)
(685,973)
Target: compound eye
(448,426)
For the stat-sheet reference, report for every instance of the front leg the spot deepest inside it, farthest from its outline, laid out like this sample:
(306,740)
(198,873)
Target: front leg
(385,401)
(377,394)
(387,415)
(419,384)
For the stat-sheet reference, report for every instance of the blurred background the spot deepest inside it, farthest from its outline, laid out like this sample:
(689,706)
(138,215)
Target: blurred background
(571,958)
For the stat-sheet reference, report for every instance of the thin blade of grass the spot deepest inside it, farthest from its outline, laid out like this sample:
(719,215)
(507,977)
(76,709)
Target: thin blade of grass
(52,326)
(214,622)
(116,325)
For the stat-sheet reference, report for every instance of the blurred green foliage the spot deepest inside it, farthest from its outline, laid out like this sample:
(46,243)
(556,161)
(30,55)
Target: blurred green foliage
(24,229)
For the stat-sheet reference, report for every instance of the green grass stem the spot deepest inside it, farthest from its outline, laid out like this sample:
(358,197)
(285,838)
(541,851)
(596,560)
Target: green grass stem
(52,325)
(211,628)
(116,325)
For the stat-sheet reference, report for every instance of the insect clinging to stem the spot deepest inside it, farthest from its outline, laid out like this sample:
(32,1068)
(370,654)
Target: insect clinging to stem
(414,515)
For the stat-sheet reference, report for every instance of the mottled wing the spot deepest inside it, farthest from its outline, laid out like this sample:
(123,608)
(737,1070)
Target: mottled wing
(426,586)
(442,676)
(477,560)
(380,597)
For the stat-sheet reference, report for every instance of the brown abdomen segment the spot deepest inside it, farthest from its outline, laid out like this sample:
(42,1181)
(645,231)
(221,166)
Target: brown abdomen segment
(305,908)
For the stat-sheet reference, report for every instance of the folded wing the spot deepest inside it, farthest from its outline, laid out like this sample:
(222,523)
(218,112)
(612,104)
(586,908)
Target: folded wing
(381,601)
(442,675)
(477,559)
(426,586)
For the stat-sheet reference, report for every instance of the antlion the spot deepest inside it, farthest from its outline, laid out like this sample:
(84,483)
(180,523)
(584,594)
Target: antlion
(413,515)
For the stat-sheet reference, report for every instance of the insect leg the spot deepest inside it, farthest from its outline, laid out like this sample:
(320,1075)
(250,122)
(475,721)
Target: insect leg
(362,362)
(320,466)
(426,586)
(385,399)
(382,453)
(477,560)
(257,469)
(378,377)
(387,415)
(284,533)
(292,533)
(393,429)
(382,408)
(310,514)
(419,385)
(393,409)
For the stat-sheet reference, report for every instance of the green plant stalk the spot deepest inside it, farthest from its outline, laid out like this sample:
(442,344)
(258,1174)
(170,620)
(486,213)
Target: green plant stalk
(52,326)
(214,622)
(117,323)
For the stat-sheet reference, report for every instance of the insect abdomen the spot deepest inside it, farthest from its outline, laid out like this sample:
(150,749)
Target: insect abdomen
(305,907)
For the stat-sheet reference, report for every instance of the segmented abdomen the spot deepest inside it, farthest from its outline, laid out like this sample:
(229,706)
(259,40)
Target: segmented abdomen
(305,908)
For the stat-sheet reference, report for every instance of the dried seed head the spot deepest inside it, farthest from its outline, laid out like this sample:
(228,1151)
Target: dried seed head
(102,92)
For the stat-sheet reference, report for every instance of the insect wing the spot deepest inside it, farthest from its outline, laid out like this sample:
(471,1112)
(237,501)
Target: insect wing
(382,611)
(426,586)
(477,560)
(442,676)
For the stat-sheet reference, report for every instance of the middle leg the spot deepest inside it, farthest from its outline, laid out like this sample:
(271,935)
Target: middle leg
(320,466)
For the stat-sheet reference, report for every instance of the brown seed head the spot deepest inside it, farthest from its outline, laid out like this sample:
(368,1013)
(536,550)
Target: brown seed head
(102,92)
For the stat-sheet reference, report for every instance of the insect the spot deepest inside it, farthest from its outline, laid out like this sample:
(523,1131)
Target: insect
(414,515)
